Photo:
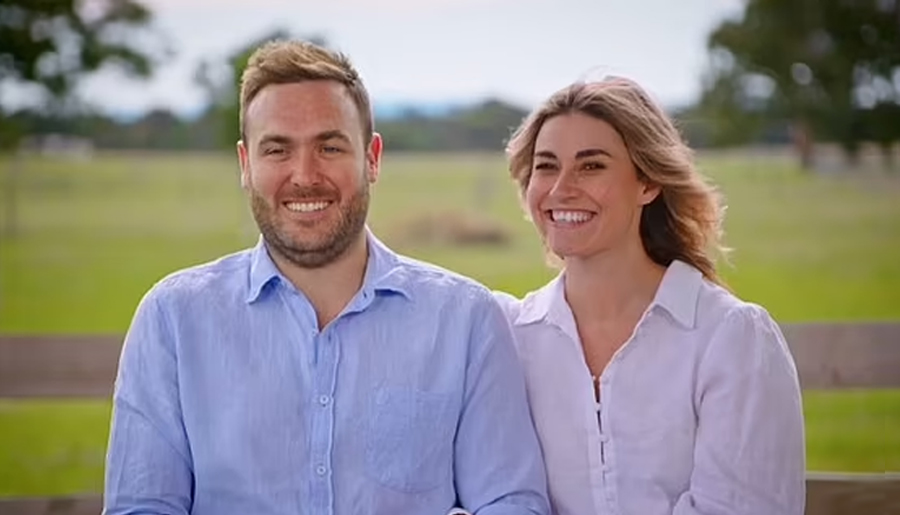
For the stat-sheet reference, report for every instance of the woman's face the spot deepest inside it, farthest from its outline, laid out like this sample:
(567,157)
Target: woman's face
(584,194)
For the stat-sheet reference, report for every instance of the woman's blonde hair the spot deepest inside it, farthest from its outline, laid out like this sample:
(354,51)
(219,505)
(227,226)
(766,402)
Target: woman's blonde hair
(684,222)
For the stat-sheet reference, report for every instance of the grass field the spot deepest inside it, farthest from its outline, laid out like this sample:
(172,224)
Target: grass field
(93,236)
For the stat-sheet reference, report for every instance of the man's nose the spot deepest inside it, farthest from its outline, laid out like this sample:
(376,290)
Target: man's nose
(305,169)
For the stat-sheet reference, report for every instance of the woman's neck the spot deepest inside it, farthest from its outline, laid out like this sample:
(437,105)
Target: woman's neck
(612,285)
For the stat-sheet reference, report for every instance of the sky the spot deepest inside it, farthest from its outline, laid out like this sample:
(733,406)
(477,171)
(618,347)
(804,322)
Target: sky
(440,51)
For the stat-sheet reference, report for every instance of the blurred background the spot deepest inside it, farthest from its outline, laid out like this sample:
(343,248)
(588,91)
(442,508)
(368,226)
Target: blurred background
(118,120)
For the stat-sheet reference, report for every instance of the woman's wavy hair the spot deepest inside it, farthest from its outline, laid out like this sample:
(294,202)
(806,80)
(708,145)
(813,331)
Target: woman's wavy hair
(684,222)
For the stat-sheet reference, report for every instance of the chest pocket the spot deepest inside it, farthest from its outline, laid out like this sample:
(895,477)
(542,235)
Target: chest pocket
(409,438)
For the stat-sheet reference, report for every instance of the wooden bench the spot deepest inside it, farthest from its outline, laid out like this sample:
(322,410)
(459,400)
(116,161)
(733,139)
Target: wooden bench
(828,356)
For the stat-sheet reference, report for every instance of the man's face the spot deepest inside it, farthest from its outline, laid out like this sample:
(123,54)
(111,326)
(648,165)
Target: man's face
(307,169)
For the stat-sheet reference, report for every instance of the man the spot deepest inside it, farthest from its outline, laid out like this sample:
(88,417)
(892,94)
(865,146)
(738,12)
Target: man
(319,372)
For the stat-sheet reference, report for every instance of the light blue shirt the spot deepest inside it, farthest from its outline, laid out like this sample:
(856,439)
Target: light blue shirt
(229,400)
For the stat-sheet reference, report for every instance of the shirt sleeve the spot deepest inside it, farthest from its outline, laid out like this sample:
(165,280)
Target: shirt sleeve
(148,467)
(749,456)
(498,466)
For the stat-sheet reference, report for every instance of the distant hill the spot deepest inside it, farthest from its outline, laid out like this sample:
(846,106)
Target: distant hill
(484,125)
(388,110)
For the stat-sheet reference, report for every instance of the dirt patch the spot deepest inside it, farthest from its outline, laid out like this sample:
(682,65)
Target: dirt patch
(456,228)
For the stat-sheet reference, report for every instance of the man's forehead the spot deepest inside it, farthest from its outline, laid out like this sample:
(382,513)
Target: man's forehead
(303,109)
(314,95)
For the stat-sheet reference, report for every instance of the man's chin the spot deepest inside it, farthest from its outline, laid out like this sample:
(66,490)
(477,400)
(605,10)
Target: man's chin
(305,244)
(306,250)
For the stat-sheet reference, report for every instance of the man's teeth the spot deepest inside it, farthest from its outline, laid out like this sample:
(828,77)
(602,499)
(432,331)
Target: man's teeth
(571,217)
(307,207)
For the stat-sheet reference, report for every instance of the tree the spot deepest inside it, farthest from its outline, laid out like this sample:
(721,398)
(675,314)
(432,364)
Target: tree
(734,104)
(828,62)
(221,79)
(50,44)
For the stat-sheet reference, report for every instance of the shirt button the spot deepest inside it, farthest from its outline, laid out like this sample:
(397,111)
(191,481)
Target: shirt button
(321,470)
(324,400)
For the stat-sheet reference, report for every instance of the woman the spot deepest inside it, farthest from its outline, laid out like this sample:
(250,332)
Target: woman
(653,388)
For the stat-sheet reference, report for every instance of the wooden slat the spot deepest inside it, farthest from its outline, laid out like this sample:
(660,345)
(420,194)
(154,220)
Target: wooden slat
(826,494)
(851,355)
(854,355)
(853,494)
(75,505)
(58,365)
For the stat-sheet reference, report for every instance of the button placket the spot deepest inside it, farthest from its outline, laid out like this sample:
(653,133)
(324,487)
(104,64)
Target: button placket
(322,401)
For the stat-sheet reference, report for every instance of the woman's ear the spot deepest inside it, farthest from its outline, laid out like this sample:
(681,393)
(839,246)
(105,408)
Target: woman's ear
(648,192)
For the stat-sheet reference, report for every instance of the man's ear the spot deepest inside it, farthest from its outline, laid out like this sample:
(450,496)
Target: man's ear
(373,157)
(244,161)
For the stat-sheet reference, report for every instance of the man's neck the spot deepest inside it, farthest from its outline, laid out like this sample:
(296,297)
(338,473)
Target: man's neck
(331,287)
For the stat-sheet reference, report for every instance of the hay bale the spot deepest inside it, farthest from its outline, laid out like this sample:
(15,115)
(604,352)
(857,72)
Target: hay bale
(454,228)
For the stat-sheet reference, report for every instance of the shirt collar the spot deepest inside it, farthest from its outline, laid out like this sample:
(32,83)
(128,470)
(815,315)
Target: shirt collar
(383,270)
(262,270)
(537,305)
(677,294)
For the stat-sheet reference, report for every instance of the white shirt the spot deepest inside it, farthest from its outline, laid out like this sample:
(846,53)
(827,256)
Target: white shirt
(700,410)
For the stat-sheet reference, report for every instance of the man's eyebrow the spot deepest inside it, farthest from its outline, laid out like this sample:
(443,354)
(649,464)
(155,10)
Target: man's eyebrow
(332,134)
(275,138)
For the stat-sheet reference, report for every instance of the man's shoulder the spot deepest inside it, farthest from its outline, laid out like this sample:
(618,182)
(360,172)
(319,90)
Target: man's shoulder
(211,278)
(430,278)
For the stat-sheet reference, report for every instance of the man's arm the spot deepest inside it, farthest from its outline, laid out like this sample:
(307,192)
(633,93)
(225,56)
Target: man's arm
(148,464)
(498,466)
(749,456)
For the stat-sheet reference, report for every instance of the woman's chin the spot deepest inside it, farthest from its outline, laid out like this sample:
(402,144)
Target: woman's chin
(565,252)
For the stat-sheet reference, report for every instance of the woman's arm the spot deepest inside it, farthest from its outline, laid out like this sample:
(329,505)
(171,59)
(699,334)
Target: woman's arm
(749,457)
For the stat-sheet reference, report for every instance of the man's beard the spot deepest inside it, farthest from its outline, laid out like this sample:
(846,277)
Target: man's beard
(315,252)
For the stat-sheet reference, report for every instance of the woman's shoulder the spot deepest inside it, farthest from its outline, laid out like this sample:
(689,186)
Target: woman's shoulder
(718,306)
(510,304)
(739,331)
(534,306)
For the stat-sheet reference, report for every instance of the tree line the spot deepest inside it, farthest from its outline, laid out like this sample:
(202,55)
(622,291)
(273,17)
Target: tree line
(782,71)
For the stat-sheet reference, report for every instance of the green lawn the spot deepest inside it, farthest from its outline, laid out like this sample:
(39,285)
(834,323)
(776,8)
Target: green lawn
(93,236)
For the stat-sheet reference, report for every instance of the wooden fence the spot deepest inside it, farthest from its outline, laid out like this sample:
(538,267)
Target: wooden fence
(828,356)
